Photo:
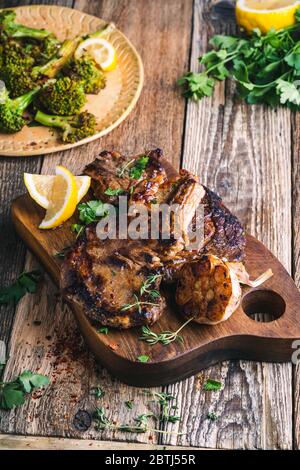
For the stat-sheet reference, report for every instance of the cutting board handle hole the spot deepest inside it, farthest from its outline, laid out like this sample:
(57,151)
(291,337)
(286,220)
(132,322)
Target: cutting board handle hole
(263,305)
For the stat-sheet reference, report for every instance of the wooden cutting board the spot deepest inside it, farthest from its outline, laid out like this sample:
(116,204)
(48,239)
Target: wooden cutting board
(240,337)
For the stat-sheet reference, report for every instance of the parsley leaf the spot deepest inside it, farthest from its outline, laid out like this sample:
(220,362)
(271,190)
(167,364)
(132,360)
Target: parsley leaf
(114,192)
(143,358)
(13,393)
(212,385)
(138,168)
(91,211)
(29,381)
(196,85)
(288,93)
(26,283)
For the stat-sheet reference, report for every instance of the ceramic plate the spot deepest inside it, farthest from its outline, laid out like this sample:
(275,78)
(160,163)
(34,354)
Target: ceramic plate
(111,106)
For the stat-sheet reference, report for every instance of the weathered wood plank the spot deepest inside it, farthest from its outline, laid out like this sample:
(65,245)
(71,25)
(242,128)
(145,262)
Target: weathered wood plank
(296,260)
(8,442)
(12,250)
(244,153)
(156,121)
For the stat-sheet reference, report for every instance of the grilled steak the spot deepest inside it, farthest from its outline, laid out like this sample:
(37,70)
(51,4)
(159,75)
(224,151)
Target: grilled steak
(113,171)
(105,277)
(92,270)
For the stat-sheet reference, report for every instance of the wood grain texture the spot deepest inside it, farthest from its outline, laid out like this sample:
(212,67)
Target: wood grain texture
(245,153)
(296,260)
(8,442)
(156,121)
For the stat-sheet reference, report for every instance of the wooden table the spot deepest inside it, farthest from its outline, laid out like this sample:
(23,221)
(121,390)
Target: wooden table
(250,156)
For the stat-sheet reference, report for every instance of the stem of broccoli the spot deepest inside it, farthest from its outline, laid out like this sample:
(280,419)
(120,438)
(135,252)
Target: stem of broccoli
(54,65)
(108,28)
(22,102)
(21,31)
(51,120)
(15,30)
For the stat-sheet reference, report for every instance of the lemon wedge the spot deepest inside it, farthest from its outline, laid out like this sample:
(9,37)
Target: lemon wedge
(40,187)
(100,50)
(266,14)
(63,199)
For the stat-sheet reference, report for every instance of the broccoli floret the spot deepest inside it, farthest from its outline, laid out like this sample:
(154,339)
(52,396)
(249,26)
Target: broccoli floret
(51,68)
(72,128)
(62,96)
(12,110)
(15,30)
(15,69)
(86,71)
(42,51)
(17,80)
(12,53)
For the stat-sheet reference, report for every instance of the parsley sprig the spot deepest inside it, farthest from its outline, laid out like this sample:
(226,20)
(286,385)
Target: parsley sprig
(13,393)
(26,283)
(265,68)
(91,211)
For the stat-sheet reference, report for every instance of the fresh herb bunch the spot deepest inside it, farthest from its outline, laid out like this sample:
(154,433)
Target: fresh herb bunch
(26,283)
(13,393)
(266,68)
(91,211)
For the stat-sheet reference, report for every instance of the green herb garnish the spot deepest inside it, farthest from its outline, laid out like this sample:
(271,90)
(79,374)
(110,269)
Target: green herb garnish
(139,167)
(91,211)
(140,425)
(143,358)
(145,289)
(26,283)
(212,416)
(129,404)
(114,192)
(212,385)
(61,254)
(165,337)
(265,68)
(103,330)
(97,392)
(13,393)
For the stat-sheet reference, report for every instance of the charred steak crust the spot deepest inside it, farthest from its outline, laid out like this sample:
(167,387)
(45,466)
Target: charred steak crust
(227,236)
(103,276)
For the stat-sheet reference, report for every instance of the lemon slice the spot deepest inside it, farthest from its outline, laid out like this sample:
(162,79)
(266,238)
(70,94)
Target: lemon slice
(40,187)
(266,14)
(63,199)
(101,50)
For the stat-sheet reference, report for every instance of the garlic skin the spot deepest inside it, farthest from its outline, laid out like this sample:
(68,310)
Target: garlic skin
(209,288)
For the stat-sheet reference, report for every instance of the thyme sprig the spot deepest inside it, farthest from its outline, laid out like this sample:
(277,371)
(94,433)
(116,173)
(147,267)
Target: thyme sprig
(145,289)
(165,337)
(140,425)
